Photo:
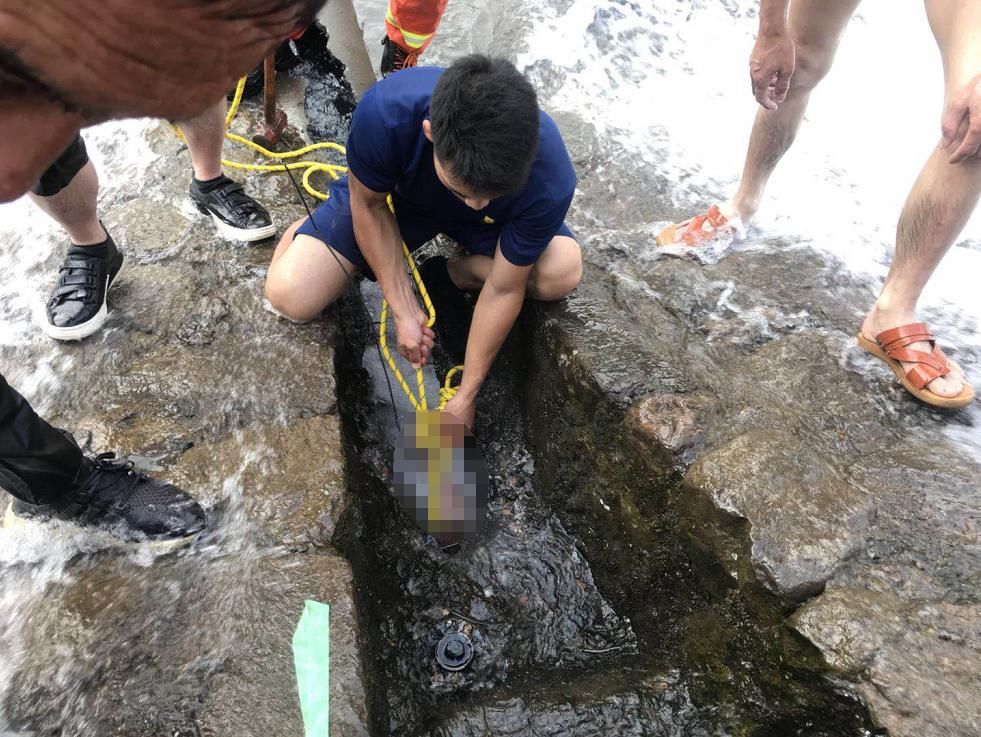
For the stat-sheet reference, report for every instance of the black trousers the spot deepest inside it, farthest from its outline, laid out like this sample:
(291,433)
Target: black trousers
(37,461)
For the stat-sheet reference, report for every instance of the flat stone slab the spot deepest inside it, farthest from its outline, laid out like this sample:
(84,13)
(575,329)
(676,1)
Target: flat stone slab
(287,481)
(804,518)
(916,662)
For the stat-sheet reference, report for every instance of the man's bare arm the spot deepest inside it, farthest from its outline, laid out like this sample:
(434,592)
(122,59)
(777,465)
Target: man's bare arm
(961,125)
(497,308)
(377,233)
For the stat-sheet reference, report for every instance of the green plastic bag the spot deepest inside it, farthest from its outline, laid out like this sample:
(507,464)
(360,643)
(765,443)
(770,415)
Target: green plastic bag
(311,655)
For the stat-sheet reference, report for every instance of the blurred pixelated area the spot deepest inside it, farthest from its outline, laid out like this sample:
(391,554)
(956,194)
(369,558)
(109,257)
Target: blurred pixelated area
(440,477)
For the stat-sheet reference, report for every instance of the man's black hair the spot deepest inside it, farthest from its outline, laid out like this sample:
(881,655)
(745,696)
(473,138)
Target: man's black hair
(484,117)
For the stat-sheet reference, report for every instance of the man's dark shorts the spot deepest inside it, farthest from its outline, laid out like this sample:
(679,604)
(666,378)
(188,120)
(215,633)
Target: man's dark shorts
(332,224)
(60,174)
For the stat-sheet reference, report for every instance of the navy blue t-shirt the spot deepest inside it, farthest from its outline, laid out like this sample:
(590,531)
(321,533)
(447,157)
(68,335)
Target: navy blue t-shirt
(388,152)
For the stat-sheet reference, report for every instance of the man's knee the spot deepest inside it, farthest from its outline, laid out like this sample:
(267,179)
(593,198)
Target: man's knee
(559,275)
(284,295)
(813,63)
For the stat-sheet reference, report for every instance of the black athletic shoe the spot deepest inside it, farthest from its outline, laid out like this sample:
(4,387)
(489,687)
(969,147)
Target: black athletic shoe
(453,311)
(114,497)
(394,57)
(77,306)
(236,215)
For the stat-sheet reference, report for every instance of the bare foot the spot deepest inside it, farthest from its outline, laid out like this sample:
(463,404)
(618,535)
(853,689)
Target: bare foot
(877,321)
(740,209)
(722,222)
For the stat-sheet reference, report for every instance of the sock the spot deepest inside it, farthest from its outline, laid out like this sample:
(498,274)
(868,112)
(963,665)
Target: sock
(100,250)
(210,184)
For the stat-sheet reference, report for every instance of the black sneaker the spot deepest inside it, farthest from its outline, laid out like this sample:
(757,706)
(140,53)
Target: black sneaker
(237,216)
(77,306)
(453,311)
(113,496)
(394,57)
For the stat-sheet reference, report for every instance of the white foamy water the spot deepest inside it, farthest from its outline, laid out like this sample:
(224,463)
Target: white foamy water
(28,237)
(35,557)
(669,82)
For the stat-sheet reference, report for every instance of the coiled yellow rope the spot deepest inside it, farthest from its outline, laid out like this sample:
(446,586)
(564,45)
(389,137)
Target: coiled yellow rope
(336,171)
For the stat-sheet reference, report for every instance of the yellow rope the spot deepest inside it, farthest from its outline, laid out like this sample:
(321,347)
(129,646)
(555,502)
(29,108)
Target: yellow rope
(335,171)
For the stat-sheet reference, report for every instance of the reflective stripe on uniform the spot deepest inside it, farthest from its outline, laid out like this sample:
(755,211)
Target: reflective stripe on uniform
(413,40)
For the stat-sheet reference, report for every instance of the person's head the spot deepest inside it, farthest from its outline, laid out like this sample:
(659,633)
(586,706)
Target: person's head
(65,64)
(483,122)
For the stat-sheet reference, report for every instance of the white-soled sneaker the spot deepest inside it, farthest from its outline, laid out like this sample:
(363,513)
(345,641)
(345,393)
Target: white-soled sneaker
(77,307)
(237,216)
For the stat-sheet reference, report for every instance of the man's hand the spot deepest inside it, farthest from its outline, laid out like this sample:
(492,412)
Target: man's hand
(461,407)
(771,65)
(415,339)
(961,124)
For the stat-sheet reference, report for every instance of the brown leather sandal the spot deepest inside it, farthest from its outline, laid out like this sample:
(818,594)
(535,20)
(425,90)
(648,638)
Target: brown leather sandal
(891,346)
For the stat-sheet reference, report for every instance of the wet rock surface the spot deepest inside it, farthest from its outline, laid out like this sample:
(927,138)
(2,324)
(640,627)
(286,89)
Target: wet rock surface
(580,596)
(522,592)
(658,707)
(709,514)
(808,475)
(205,387)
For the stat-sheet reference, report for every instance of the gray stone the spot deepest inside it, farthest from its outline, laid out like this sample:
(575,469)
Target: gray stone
(291,478)
(916,662)
(804,517)
(221,646)
(806,466)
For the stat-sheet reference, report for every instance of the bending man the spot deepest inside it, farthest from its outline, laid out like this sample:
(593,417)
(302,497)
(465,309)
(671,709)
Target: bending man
(465,152)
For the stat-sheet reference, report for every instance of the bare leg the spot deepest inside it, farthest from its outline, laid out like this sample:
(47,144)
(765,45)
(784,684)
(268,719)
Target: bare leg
(816,27)
(556,273)
(304,277)
(943,197)
(75,208)
(205,135)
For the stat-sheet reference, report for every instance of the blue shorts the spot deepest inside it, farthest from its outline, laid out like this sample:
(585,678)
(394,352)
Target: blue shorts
(332,224)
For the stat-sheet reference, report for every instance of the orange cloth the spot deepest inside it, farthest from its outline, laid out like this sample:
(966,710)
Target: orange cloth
(413,23)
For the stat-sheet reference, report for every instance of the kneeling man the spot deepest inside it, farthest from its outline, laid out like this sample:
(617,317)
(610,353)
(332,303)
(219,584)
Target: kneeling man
(463,151)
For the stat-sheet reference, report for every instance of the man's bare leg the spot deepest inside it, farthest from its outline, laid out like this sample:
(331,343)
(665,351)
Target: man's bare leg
(944,195)
(304,276)
(205,135)
(236,215)
(556,273)
(75,208)
(816,27)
